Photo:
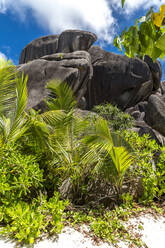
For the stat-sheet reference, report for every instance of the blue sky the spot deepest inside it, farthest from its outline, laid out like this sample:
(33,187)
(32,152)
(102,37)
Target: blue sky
(22,21)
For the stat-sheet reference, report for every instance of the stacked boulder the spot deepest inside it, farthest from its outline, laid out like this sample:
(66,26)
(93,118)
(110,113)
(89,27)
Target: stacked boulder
(96,76)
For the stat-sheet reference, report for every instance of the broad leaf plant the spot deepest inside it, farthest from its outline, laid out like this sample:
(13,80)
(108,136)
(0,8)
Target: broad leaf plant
(146,37)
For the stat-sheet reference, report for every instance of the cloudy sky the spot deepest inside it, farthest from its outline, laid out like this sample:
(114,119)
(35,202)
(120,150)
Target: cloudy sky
(21,21)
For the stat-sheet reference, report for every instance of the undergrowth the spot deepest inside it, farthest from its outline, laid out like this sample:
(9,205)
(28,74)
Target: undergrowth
(52,161)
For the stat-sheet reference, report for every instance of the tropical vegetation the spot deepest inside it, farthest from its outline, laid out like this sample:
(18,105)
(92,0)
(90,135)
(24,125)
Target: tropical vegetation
(99,160)
(146,37)
(56,162)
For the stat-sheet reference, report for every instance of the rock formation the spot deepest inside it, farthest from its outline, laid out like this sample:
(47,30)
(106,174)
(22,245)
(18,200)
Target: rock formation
(38,48)
(155,113)
(67,42)
(118,79)
(97,76)
(74,68)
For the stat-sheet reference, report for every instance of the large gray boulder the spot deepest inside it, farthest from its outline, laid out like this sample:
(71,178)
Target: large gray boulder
(37,48)
(75,40)
(74,68)
(140,126)
(67,42)
(155,113)
(162,87)
(156,70)
(118,79)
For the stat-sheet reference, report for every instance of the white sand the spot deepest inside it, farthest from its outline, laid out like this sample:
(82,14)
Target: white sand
(153,234)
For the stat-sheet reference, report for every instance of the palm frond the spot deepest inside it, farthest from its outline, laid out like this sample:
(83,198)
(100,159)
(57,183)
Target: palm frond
(18,116)
(38,133)
(119,141)
(4,128)
(122,159)
(99,136)
(56,118)
(8,85)
(13,101)
(92,159)
(60,97)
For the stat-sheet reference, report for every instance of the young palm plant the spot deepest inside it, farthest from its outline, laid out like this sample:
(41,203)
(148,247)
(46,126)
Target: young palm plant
(65,138)
(101,141)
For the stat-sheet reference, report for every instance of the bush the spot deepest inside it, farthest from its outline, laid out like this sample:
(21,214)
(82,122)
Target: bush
(25,222)
(24,210)
(20,175)
(150,165)
(117,119)
(161,171)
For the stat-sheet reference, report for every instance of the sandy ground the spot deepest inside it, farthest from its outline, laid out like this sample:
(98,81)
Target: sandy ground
(153,234)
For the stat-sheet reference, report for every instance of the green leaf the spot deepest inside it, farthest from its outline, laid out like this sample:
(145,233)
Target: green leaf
(156,53)
(122,1)
(141,40)
(61,96)
(160,43)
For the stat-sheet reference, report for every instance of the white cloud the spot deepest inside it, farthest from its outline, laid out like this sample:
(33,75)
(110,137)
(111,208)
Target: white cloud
(2,6)
(92,15)
(58,15)
(2,55)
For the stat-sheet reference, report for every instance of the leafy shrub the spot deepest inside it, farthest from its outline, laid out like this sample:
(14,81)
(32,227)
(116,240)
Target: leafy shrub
(25,222)
(57,145)
(161,171)
(117,119)
(20,175)
(149,165)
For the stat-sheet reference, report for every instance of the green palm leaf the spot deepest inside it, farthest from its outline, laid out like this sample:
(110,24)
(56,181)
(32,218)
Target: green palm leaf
(8,85)
(61,96)
(100,136)
(13,102)
(121,159)
(103,144)
(18,116)
(122,2)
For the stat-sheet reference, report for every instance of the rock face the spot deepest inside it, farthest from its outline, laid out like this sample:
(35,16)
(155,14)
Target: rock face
(118,79)
(162,88)
(143,112)
(155,113)
(74,68)
(97,76)
(75,40)
(67,42)
(37,48)
(156,71)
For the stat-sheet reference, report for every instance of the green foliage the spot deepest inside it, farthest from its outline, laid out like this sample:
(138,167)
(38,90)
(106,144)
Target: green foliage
(117,119)
(146,37)
(20,175)
(149,165)
(25,213)
(122,2)
(13,102)
(40,150)
(161,172)
(62,96)
(7,90)
(101,142)
(108,225)
(25,222)
(122,160)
